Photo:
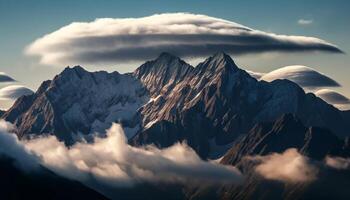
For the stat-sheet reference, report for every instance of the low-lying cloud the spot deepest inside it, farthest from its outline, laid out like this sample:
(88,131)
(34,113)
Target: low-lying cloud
(111,162)
(183,34)
(338,162)
(289,166)
(304,76)
(12,92)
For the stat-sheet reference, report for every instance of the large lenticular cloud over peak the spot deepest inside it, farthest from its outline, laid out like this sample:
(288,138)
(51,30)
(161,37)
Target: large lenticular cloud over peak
(184,34)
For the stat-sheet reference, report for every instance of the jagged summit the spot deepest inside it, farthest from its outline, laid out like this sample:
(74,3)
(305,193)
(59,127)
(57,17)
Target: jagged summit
(76,71)
(167,56)
(76,68)
(218,62)
(166,70)
(222,56)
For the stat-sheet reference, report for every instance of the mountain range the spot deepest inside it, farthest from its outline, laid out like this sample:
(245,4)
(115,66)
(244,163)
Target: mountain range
(167,100)
(216,107)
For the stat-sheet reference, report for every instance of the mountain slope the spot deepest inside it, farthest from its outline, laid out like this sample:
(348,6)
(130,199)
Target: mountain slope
(284,133)
(78,102)
(217,101)
(16,184)
(161,75)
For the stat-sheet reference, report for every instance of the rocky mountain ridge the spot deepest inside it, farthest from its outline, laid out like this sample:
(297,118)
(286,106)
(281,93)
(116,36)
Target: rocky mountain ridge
(167,100)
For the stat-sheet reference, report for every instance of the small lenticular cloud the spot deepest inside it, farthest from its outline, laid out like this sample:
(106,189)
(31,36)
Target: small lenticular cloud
(13,92)
(256,75)
(332,96)
(304,76)
(4,78)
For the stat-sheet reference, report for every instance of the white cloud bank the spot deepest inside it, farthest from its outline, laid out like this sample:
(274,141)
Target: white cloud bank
(112,162)
(304,76)
(12,92)
(289,166)
(109,40)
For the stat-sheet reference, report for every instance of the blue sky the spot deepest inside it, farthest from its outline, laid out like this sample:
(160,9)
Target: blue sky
(21,22)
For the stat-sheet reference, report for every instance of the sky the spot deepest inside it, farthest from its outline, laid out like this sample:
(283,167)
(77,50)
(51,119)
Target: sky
(23,22)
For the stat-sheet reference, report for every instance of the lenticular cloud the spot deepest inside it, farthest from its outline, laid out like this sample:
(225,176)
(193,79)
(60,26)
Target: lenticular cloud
(184,34)
(304,76)
(12,92)
(4,78)
(332,96)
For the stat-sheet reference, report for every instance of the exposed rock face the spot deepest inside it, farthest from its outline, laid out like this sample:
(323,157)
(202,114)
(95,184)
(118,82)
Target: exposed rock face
(218,101)
(286,132)
(79,102)
(160,76)
(202,106)
(165,101)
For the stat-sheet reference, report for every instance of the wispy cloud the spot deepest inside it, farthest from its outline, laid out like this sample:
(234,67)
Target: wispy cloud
(305,21)
(183,34)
